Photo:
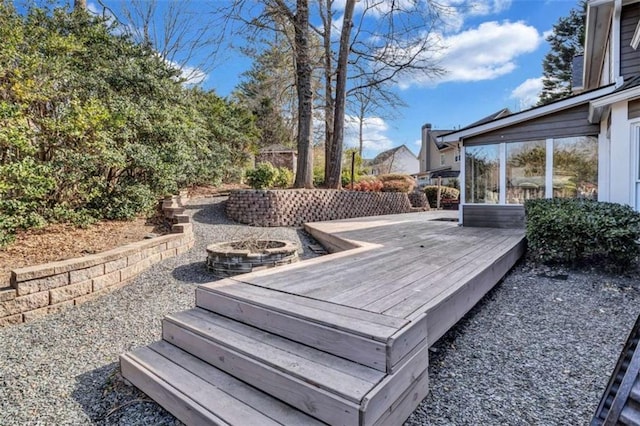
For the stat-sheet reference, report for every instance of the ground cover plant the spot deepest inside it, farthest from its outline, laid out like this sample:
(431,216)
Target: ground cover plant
(574,231)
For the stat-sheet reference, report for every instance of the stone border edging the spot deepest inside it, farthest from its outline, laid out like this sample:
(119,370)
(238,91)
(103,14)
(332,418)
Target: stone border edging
(39,290)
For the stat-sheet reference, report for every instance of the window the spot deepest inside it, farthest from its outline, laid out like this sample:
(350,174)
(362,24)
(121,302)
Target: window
(456,157)
(526,165)
(482,174)
(443,159)
(575,167)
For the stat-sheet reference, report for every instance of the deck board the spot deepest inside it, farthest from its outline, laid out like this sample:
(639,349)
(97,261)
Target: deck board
(415,261)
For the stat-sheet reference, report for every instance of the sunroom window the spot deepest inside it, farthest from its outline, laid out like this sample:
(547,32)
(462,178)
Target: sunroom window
(575,167)
(482,182)
(526,165)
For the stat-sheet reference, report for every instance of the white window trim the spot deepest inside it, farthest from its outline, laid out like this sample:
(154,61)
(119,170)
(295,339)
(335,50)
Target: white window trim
(443,159)
(502,182)
(548,172)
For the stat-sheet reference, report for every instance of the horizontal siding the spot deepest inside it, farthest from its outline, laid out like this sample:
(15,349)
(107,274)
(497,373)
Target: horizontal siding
(570,122)
(493,216)
(629,58)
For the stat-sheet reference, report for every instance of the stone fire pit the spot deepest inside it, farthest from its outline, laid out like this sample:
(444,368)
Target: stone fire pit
(240,257)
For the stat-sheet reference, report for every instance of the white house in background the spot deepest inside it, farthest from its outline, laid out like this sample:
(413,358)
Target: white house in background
(396,160)
(585,146)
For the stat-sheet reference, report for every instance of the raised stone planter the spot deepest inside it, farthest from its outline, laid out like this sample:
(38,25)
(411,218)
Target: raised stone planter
(240,257)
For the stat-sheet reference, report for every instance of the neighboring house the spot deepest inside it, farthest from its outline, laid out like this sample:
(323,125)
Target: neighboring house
(279,156)
(395,160)
(584,146)
(440,159)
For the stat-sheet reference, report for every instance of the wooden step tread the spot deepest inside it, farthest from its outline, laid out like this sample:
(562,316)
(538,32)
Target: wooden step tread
(373,325)
(368,338)
(336,375)
(197,393)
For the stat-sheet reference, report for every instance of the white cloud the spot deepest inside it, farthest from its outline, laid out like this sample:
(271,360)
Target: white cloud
(483,53)
(528,93)
(455,12)
(193,75)
(374,139)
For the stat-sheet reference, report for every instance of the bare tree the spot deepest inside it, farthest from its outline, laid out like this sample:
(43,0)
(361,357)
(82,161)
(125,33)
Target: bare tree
(181,36)
(372,100)
(399,44)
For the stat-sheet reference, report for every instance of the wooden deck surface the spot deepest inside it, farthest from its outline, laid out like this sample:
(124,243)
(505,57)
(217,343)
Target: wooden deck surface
(341,338)
(398,266)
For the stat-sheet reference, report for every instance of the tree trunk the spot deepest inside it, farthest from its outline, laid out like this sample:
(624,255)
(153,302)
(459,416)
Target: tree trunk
(335,162)
(304,172)
(328,92)
(360,137)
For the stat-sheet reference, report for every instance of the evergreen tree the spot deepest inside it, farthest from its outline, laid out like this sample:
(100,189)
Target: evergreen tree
(567,41)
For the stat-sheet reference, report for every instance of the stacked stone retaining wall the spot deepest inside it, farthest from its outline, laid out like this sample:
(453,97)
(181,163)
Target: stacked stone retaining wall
(39,290)
(293,207)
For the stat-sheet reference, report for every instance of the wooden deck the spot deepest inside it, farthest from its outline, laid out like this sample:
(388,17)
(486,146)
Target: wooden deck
(343,338)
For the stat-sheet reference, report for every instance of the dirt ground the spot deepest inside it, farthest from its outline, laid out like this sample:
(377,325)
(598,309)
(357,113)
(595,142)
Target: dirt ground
(64,241)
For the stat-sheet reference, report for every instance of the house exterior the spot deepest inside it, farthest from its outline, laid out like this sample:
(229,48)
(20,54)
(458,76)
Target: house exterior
(396,160)
(584,146)
(440,159)
(437,159)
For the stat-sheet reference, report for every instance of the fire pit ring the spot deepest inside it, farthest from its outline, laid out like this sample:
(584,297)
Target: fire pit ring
(240,257)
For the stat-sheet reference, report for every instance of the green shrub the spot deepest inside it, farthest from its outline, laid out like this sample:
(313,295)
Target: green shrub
(446,193)
(573,231)
(284,178)
(396,182)
(262,177)
(129,201)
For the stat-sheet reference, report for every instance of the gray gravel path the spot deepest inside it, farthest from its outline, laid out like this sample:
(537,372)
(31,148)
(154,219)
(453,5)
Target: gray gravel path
(536,350)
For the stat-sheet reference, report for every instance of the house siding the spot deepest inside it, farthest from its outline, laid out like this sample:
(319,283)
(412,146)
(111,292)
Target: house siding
(629,58)
(570,122)
(493,216)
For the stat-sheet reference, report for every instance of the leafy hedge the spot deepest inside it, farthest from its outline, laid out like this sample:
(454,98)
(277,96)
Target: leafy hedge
(573,231)
(446,193)
(266,175)
(396,182)
(93,125)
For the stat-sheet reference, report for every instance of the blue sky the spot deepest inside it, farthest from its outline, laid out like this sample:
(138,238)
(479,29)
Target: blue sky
(493,58)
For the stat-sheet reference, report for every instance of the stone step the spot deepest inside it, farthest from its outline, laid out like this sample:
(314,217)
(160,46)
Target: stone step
(375,340)
(199,394)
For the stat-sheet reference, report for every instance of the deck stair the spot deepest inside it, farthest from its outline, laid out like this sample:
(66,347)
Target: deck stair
(307,360)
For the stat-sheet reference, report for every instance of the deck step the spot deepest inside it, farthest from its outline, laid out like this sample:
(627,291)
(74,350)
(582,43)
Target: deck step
(332,389)
(372,339)
(199,394)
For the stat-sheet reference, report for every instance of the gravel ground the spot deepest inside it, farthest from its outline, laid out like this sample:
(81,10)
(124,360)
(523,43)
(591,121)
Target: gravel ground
(537,350)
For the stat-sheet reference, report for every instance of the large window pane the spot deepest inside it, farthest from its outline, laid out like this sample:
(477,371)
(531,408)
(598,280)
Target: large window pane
(525,171)
(575,167)
(482,173)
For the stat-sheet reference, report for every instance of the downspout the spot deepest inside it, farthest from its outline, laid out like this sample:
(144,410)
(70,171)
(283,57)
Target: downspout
(615,43)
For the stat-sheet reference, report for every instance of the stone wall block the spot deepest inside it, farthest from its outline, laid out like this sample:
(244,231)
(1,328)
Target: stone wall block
(107,280)
(69,292)
(115,265)
(41,284)
(82,275)
(10,320)
(8,294)
(32,301)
